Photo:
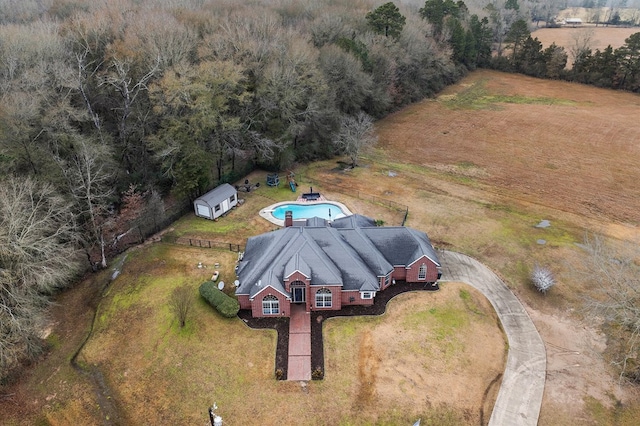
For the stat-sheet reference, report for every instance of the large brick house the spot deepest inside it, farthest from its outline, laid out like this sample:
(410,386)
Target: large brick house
(326,265)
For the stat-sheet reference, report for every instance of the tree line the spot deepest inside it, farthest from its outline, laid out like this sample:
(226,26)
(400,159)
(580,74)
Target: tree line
(610,68)
(112,109)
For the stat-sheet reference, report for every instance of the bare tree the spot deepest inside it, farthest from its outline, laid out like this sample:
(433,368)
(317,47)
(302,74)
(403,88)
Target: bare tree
(122,82)
(542,278)
(180,303)
(356,133)
(37,255)
(350,84)
(89,179)
(613,271)
(581,43)
(159,38)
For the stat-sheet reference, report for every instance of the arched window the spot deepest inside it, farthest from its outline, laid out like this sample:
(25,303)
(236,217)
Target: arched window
(323,298)
(422,272)
(270,305)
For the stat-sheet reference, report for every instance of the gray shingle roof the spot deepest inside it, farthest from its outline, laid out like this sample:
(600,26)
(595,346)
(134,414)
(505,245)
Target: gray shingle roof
(400,245)
(369,253)
(217,194)
(354,272)
(297,263)
(353,221)
(349,255)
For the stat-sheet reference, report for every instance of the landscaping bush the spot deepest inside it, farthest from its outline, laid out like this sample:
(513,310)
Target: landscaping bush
(542,278)
(226,305)
(317,374)
(279,374)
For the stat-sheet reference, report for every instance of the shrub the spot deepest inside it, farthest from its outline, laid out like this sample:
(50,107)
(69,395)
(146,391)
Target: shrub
(227,306)
(542,279)
(317,374)
(279,374)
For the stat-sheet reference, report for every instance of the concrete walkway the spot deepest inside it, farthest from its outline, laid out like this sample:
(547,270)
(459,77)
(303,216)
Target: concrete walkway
(299,365)
(520,395)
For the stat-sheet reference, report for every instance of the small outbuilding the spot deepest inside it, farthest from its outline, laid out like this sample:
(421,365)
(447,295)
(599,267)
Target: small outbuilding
(572,21)
(216,202)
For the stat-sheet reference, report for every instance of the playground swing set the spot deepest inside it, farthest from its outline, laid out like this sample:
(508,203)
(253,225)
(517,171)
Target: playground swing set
(274,180)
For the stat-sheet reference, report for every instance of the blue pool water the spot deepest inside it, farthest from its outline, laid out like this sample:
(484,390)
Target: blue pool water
(306,211)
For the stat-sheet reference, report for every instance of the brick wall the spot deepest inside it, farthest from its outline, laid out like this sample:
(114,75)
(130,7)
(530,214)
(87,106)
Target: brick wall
(336,299)
(256,304)
(244,301)
(399,273)
(357,300)
(414,269)
(296,276)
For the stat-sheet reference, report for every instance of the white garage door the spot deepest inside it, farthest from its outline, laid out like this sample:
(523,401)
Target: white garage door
(203,211)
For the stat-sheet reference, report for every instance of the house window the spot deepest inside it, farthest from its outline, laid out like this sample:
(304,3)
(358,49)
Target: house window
(232,198)
(367,294)
(217,207)
(387,280)
(422,272)
(323,298)
(270,305)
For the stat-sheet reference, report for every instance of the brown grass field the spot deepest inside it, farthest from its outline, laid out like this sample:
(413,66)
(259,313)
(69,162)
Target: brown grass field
(600,37)
(478,167)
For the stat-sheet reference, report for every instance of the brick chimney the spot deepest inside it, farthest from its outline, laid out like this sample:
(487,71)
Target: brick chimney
(288,218)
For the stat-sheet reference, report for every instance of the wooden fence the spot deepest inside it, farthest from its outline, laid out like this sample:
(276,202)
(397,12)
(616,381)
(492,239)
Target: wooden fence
(194,242)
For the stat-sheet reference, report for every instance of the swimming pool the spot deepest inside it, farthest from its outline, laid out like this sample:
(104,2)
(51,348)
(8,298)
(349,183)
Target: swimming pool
(325,210)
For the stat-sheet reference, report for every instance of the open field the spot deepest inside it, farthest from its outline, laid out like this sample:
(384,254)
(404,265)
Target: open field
(561,145)
(601,37)
(478,167)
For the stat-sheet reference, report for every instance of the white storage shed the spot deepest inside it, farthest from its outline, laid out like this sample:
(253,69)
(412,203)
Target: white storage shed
(216,202)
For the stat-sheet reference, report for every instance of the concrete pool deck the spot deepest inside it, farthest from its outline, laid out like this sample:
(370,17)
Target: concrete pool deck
(266,212)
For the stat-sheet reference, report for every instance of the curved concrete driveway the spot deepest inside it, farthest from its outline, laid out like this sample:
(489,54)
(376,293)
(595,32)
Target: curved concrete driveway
(520,395)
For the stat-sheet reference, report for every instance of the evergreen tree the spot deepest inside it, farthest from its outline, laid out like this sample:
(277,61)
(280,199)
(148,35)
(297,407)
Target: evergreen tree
(512,5)
(437,11)
(457,40)
(386,20)
(516,36)
(629,63)
(482,37)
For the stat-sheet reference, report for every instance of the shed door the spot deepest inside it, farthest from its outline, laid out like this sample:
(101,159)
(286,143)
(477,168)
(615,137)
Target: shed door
(225,205)
(203,211)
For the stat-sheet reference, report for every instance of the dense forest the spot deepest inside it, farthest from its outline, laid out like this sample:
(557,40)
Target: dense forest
(114,110)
